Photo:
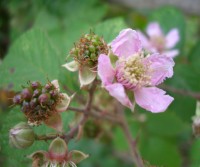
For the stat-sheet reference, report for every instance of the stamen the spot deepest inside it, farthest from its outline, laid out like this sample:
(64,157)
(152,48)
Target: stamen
(158,42)
(133,72)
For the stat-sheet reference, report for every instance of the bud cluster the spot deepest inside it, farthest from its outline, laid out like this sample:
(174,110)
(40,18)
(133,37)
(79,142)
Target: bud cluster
(87,50)
(38,102)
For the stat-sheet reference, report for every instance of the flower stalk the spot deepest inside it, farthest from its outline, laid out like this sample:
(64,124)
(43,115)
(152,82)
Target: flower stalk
(132,142)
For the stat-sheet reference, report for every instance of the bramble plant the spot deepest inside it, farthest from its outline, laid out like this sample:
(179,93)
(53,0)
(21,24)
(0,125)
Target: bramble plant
(86,90)
(122,67)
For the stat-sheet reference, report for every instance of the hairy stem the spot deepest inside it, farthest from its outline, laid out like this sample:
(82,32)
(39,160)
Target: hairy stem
(195,95)
(86,112)
(73,131)
(131,141)
(97,115)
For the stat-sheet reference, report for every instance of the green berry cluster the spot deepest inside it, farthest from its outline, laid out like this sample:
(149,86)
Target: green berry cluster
(87,50)
(38,102)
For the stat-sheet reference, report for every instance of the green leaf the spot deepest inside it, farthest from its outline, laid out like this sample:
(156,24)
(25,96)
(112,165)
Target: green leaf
(119,140)
(160,152)
(195,153)
(194,59)
(191,34)
(16,157)
(165,124)
(184,79)
(170,17)
(31,57)
(12,156)
(109,29)
(65,29)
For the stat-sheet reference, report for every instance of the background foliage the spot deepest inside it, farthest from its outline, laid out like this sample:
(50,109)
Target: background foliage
(41,35)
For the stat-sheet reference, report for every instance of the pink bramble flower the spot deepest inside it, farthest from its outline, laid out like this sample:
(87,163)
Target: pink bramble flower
(158,42)
(134,72)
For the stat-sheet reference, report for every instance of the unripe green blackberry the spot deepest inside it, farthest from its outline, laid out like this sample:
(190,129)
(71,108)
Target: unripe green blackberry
(88,49)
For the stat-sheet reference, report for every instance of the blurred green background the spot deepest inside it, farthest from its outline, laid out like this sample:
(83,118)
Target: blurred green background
(35,38)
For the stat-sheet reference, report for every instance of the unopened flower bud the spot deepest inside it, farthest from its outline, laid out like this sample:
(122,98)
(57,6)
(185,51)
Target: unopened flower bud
(21,136)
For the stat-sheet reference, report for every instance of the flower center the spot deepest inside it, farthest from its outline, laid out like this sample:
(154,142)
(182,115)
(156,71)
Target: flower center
(158,42)
(133,71)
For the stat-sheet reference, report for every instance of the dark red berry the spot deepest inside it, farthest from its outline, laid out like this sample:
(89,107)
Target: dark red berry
(35,85)
(43,98)
(33,103)
(53,93)
(48,86)
(25,106)
(17,99)
(26,94)
(36,93)
(44,90)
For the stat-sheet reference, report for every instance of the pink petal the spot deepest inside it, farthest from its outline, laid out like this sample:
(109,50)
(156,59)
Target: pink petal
(153,29)
(117,90)
(161,67)
(105,69)
(172,38)
(126,43)
(171,53)
(152,99)
(144,40)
